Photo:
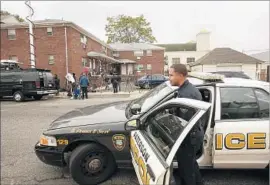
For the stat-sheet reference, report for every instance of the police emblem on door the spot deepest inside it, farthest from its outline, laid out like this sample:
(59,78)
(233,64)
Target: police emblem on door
(119,141)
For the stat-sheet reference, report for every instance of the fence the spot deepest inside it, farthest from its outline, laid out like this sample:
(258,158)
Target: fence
(100,83)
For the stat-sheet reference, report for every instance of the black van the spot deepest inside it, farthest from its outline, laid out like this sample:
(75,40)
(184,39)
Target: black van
(20,83)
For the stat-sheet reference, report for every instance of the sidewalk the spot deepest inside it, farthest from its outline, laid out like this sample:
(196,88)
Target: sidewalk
(133,95)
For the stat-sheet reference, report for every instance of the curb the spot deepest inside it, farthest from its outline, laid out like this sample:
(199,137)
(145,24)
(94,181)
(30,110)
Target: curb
(103,95)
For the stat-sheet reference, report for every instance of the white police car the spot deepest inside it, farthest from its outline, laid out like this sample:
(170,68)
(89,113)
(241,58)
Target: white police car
(235,113)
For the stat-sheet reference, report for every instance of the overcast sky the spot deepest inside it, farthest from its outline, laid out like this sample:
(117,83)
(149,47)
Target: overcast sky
(239,25)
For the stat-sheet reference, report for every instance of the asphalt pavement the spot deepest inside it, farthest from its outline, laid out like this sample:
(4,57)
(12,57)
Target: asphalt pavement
(22,124)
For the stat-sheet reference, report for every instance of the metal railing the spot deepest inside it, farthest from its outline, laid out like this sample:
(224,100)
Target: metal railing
(99,83)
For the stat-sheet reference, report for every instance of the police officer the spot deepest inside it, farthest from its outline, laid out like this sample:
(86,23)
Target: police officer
(186,156)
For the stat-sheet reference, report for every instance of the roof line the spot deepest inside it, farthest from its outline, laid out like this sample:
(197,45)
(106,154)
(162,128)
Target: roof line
(176,43)
(200,60)
(63,23)
(92,36)
(115,46)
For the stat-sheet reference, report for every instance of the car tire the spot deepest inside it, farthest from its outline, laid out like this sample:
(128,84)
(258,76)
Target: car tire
(146,86)
(103,164)
(38,97)
(18,96)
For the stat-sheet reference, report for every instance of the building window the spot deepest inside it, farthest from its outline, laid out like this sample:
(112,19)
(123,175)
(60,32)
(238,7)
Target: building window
(11,34)
(13,57)
(138,53)
(175,60)
(190,60)
(49,31)
(149,67)
(83,39)
(51,59)
(84,62)
(139,67)
(149,53)
(115,53)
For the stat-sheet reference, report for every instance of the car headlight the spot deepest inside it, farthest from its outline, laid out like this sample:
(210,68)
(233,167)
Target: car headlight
(47,140)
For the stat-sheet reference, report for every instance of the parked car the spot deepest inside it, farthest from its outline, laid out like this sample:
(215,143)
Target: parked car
(149,81)
(232,74)
(20,83)
(144,132)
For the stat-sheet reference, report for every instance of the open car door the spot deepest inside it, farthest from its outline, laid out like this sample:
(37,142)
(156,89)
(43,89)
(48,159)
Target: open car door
(161,132)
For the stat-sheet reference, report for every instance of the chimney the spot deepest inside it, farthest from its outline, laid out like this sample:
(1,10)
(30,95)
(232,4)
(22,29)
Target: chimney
(203,41)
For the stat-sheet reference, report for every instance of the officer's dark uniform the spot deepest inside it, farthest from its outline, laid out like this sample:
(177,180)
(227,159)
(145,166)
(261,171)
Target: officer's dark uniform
(186,155)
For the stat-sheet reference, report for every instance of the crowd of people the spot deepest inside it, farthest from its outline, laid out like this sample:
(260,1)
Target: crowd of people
(78,88)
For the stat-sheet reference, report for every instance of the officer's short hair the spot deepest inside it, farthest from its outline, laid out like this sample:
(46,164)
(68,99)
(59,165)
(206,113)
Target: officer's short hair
(180,69)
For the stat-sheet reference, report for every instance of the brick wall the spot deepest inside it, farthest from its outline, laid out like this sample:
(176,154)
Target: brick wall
(49,45)
(54,45)
(18,47)
(156,61)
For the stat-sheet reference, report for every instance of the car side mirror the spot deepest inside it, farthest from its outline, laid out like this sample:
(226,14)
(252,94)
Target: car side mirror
(135,109)
(132,125)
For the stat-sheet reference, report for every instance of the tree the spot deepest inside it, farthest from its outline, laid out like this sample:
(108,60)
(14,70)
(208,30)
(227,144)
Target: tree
(127,29)
(15,15)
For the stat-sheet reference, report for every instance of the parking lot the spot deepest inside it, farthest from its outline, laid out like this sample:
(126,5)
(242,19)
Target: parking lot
(22,124)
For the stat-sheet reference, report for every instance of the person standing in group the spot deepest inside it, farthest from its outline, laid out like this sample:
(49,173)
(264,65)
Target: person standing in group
(70,82)
(73,83)
(57,83)
(186,155)
(84,83)
(114,82)
(74,76)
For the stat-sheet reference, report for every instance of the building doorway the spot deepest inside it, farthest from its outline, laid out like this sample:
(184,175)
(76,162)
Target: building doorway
(116,68)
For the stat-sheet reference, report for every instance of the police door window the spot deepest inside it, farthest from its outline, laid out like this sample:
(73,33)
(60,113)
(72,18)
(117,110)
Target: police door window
(172,121)
(238,103)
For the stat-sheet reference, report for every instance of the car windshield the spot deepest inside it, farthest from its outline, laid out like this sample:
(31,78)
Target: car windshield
(151,98)
(142,78)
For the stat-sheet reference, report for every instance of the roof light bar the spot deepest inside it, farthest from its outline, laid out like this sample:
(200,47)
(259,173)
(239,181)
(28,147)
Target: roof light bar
(206,76)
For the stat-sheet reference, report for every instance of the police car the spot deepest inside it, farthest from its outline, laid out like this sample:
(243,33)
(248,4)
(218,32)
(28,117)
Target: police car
(145,133)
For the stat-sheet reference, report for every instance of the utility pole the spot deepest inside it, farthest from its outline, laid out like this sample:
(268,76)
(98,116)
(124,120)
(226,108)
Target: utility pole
(31,35)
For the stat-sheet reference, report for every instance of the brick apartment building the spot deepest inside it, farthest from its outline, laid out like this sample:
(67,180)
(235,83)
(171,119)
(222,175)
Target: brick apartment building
(63,46)
(147,57)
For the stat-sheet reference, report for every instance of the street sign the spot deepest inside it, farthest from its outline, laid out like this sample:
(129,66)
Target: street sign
(149,67)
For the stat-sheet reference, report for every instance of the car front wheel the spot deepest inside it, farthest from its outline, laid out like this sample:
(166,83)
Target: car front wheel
(18,96)
(146,86)
(91,164)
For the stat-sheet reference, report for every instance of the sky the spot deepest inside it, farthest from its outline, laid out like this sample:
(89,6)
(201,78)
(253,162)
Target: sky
(240,25)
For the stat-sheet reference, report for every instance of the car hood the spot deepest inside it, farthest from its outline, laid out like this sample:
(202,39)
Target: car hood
(98,114)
